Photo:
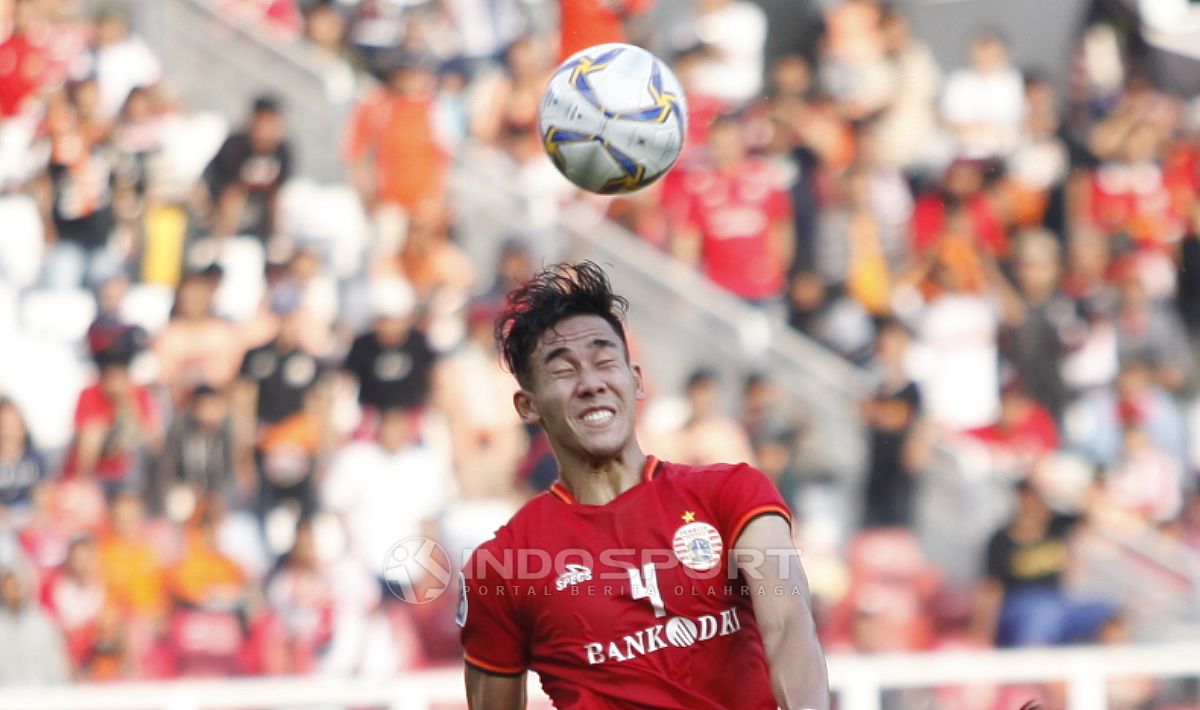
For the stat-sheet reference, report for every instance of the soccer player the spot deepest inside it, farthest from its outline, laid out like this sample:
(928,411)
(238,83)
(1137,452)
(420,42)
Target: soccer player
(632,582)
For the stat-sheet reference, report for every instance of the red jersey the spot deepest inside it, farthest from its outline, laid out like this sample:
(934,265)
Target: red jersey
(735,214)
(95,407)
(628,604)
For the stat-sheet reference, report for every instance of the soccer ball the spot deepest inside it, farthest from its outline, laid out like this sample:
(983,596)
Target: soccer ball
(613,118)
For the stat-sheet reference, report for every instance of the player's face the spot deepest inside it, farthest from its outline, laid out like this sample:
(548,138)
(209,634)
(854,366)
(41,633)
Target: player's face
(584,390)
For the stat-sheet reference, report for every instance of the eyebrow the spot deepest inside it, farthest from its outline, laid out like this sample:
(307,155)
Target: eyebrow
(562,350)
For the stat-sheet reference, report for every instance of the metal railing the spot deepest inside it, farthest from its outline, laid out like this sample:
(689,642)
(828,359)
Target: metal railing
(214,62)
(857,680)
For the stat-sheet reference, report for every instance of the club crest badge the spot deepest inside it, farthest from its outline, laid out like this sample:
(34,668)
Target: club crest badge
(698,546)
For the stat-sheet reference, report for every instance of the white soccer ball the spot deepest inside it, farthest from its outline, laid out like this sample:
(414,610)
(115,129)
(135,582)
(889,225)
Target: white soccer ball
(613,118)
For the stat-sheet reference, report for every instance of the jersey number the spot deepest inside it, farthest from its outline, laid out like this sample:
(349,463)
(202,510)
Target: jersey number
(644,585)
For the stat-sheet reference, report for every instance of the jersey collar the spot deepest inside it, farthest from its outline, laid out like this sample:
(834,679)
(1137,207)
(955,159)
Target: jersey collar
(649,471)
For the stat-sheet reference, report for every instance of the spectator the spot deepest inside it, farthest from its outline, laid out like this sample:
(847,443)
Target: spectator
(763,413)
(23,61)
(301,594)
(488,439)
(21,465)
(825,313)
(733,34)
(117,422)
(438,271)
(75,192)
(1023,602)
(512,99)
(1188,299)
(894,417)
(130,565)
(960,206)
(198,454)
(196,347)
(122,62)
(392,363)
(984,103)
(707,434)
(138,138)
(1151,332)
(1146,481)
(205,578)
(1094,421)
(33,652)
(392,150)
(325,26)
(1022,436)
(279,412)
(1037,169)
(484,28)
(854,68)
(386,490)
(76,597)
(1049,324)
(738,227)
(244,178)
(907,127)
(586,23)
(957,332)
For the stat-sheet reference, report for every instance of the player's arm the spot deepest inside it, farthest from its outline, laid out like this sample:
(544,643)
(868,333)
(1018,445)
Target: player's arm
(490,691)
(785,620)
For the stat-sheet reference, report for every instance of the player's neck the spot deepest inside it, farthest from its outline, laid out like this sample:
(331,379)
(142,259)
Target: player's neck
(597,482)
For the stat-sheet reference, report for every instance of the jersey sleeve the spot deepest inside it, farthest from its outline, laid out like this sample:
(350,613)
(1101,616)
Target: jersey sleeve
(745,494)
(495,636)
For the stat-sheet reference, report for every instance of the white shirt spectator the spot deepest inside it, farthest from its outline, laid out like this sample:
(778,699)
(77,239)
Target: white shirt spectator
(384,497)
(735,33)
(959,371)
(121,67)
(987,109)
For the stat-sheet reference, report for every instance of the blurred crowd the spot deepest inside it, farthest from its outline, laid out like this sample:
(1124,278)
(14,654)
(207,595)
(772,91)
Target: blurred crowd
(216,426)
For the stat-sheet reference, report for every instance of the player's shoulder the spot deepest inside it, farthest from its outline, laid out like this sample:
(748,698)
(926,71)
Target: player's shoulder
(705,475)
(520,526)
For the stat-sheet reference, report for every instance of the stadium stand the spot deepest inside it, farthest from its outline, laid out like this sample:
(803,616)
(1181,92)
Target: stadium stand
(249,252)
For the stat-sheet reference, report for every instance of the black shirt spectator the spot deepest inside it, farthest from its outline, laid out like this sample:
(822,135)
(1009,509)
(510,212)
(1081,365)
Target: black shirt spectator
(1019,564)
(891,416)
(399,375)
(244,178)
(199,447)
(284,375)
(393,362)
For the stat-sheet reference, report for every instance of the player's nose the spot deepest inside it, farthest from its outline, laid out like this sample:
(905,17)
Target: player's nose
(590,381)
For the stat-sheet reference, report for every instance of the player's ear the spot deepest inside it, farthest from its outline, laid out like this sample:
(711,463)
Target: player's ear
(639,387)
(526,407)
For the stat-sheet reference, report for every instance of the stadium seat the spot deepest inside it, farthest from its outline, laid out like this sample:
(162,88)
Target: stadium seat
(8,311)
(327,218)
(44,377)
(243,284)
(62,316)
(148,306)
(21,248)
(188,144)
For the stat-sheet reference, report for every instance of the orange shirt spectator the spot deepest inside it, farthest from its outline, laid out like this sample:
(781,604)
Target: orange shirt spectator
(129,563)
(204,576)
(392,144)
(585,23)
